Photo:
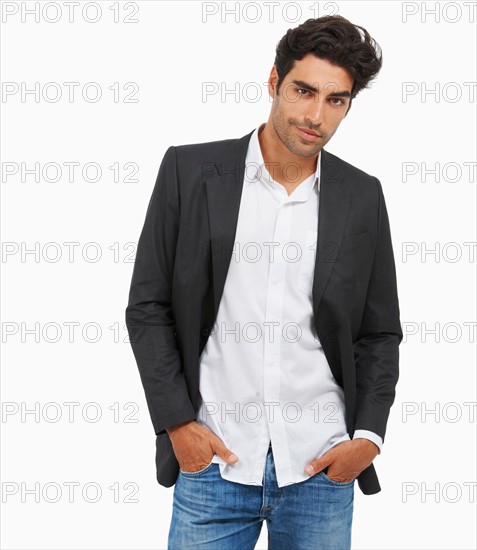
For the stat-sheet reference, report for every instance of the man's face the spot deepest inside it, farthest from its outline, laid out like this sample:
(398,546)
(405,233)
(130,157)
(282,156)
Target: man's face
(315,96)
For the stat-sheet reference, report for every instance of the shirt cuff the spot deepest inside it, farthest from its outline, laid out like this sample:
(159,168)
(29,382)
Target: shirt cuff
(366,434)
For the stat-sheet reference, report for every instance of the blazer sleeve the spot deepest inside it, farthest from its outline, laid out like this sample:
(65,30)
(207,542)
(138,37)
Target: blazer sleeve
(149,316)
(376,350)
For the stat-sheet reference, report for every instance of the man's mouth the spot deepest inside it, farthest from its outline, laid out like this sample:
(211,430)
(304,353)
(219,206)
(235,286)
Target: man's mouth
(309,135)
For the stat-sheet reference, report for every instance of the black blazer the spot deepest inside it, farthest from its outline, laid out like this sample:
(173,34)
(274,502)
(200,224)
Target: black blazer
(179,274)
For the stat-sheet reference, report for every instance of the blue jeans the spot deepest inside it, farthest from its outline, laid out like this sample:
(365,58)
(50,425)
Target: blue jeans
(212,513)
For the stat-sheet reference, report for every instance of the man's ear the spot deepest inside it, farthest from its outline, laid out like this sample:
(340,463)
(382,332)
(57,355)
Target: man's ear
(272,81)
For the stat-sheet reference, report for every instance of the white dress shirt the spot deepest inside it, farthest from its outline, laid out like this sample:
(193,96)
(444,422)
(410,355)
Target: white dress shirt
(263,372)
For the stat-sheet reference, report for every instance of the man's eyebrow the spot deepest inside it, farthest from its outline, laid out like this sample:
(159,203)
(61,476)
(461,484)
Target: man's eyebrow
(310,88)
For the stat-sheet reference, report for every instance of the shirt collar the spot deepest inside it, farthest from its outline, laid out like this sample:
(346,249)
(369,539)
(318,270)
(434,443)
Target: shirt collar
(255,168)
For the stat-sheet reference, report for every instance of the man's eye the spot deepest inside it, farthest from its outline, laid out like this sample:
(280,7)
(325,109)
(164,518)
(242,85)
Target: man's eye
(299,90)
(341,102)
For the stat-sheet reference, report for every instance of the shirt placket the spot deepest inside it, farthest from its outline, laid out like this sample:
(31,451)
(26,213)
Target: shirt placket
(281,252)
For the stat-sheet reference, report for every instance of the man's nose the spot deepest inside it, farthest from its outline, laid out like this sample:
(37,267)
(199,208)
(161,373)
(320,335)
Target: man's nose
(315,114)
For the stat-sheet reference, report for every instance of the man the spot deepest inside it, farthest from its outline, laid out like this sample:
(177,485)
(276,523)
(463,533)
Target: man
(263,313)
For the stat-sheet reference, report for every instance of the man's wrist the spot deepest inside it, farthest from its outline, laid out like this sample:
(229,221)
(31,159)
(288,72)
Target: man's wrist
(173,429)
(370,436)
(368,442)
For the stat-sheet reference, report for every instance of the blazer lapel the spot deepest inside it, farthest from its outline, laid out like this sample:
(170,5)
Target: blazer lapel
(333,210)
(224,183)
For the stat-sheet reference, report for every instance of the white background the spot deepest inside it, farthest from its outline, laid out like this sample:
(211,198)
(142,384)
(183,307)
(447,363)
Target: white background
(170,52)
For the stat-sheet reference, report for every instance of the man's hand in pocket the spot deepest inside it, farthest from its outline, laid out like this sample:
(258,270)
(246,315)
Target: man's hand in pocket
(346,460)
(195,446)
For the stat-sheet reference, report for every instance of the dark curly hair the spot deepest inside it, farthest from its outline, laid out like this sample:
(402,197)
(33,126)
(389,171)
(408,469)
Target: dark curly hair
(335,39)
